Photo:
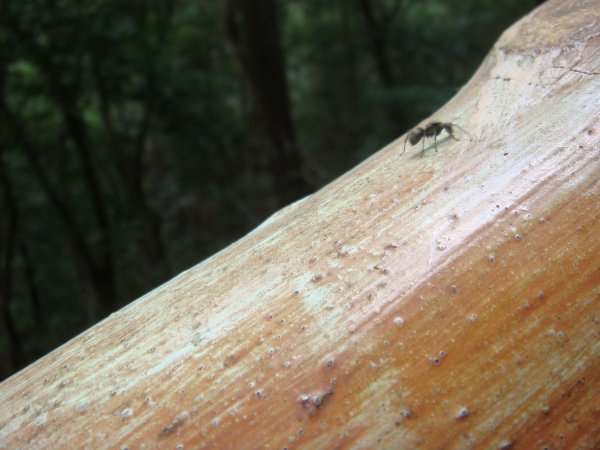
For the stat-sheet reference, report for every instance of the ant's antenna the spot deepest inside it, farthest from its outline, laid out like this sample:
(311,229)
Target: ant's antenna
(464,131)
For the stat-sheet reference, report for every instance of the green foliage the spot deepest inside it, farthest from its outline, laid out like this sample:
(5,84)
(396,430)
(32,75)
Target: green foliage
(152,153)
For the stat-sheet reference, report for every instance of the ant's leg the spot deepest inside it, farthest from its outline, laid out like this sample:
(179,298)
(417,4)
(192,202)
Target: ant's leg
(435,142)
(423,150)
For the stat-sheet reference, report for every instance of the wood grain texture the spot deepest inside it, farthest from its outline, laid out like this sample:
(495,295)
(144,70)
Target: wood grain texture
(444,301)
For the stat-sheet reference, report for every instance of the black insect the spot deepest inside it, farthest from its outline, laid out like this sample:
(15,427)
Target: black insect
(433,129)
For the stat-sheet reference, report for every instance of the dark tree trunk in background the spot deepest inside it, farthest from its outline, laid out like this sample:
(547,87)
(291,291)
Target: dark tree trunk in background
(349,83)
(97,259)
(252,26)
(32,287)
(149,240)
(377,26)
(103,290)
(103,272)
(377,42)
(7,253)
(129,168)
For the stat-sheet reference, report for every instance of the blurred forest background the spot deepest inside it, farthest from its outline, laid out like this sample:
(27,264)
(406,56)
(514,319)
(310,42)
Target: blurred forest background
(139,137)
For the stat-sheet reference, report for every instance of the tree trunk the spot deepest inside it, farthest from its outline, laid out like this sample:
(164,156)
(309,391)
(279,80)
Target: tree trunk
(377,39)
(98,262)
(29,277)
(443,301)
(252,27)
(8,228)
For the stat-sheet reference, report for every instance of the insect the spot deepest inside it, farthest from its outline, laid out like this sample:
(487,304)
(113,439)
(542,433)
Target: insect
(431,129)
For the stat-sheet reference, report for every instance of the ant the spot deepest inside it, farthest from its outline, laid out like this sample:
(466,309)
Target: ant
(432,129)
